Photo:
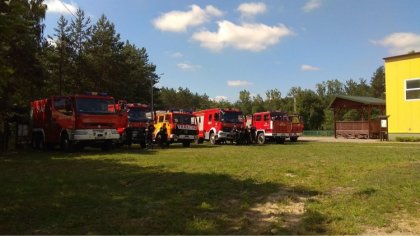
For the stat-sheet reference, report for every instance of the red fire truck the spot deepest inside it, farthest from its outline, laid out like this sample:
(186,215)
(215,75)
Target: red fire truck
(271,126)
(215,125)
(133,124)
(74,121)
(296,130)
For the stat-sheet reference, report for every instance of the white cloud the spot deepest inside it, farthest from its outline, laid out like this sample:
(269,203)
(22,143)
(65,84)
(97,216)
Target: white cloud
(177,55)
(251,9)
(188,67)
(312,5)
(56,6)
(400,43)
(238,83)
(219,98)
(179,21)
(52,41)
(309,68)
(251,37)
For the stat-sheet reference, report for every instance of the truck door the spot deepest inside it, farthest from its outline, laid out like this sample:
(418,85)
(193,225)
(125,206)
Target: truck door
(62,117)
(200,123)
(267,122)
(258,122)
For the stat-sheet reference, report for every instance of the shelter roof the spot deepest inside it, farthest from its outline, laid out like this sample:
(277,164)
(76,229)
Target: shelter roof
(402,57)
(353,102)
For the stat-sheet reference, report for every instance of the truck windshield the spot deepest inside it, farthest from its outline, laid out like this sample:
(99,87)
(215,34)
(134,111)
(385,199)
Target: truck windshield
(279,116)
(139,115)
(95,106)
(232,117)
(295,119)
(184,119)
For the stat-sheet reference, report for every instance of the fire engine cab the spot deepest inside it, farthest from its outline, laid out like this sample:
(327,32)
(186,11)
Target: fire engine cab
(216,125)
(271,126)
(74,121)
(181,126)
(134,119)
(296,130)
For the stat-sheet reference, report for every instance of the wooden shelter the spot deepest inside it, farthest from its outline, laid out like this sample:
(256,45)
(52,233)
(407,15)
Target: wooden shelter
(369,128)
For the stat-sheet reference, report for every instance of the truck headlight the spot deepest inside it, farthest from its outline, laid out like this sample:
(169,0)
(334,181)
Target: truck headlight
(114,131)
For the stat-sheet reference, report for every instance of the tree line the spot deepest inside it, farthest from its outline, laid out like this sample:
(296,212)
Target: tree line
(82,55)
(312,105)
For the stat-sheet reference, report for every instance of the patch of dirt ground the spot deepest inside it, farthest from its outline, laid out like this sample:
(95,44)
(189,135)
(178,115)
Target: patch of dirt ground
(401,225)
(285,206)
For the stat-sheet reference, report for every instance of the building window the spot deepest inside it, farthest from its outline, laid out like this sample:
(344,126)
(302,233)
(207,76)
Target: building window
(412,89)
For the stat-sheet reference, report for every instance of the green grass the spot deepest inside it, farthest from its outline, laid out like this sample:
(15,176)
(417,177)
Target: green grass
(346,188)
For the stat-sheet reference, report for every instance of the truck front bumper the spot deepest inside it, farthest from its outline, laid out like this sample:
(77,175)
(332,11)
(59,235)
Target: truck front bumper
(279,135)
(94,134)
(295,134)
(224,135)
(182,137)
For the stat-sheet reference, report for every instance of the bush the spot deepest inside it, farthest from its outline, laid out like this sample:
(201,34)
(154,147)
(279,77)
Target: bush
(408,139)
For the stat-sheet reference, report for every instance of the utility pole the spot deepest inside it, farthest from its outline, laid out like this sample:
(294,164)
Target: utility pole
(151,98)
(151,92)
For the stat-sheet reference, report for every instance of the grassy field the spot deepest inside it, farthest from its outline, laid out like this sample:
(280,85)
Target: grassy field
(299,188)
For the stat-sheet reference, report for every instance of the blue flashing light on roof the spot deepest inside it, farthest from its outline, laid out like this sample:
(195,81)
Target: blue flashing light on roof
(96,93)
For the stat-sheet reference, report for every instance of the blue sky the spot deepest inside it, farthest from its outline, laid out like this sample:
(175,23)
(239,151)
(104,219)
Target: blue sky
(222,47)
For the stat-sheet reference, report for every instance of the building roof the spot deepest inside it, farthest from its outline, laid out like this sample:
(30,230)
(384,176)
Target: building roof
(404,56)
(355,101)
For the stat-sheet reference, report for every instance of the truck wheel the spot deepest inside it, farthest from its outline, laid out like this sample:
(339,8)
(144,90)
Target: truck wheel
(34,141)
(66,144)
(279,140)
(106,146)
(40,141)
(261,138)
(293,139)
(212,139)
(186,144)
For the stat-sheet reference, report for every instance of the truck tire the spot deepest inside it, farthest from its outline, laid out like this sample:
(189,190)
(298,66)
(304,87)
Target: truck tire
(34,142)
(186,144)
(260,138)
(212,139)
(38,141)
(41,142)
(66,144)
(280,140)
(293,139)
(107,145)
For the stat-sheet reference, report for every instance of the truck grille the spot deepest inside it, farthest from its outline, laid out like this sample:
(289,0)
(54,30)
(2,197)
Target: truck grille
(227,129)
(185,132)
(98,125)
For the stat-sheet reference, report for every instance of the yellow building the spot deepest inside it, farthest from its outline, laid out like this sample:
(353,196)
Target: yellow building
(402,83)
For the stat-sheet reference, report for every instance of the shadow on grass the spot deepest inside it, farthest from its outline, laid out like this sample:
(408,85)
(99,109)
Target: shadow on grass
(48,193)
